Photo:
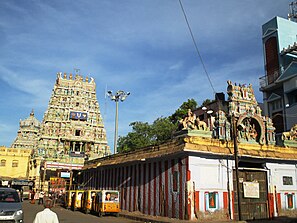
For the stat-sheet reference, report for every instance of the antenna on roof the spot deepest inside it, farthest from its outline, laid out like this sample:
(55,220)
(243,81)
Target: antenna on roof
(292,16)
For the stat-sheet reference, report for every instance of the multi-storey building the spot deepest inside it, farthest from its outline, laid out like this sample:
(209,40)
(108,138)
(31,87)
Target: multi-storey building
(279,85)
(28,132)
(14,168)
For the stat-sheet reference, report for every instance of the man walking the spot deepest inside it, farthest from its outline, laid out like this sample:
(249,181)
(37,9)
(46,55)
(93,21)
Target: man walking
(41,196)
(47,215)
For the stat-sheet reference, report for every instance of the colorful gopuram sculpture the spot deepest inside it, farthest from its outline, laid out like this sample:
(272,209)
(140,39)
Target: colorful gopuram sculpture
(244,110)
(192,122)
(28,133)
(72,125)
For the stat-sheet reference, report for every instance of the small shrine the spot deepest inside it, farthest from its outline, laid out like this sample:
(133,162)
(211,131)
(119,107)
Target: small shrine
(243,111)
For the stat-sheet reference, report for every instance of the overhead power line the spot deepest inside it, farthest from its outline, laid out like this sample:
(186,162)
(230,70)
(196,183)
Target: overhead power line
(196,47)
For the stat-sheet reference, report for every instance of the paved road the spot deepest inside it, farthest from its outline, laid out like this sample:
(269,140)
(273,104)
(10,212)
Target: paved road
(68,216)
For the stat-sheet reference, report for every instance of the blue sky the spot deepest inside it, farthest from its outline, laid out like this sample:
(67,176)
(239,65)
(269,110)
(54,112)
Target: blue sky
(140,46)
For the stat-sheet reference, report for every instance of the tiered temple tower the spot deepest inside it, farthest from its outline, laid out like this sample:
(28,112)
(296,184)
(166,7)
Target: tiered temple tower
(72,128)
(27,137)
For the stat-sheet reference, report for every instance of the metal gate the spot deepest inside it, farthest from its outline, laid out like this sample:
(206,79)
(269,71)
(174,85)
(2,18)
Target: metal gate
(253,194)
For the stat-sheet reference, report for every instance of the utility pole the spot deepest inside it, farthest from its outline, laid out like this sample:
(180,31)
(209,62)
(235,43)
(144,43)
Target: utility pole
(234,127)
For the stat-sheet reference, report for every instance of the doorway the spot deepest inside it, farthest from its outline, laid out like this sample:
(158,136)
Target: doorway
(253,194)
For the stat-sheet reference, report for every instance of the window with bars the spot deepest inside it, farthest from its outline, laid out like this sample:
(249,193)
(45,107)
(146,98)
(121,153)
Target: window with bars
(15,163)
(290,200)
(3,162)
(287,180)
(211,201)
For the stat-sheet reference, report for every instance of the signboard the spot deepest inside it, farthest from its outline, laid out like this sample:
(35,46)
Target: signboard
(82,116)
(57,165)
(22,183)
(76,154)
(57,183)
(251,190)
(65,174)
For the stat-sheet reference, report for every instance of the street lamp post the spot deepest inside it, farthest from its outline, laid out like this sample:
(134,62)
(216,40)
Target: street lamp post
(119,96)
(208,112)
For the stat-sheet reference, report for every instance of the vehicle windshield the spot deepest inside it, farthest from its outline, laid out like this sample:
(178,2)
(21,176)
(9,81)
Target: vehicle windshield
(111,196)
(9,196)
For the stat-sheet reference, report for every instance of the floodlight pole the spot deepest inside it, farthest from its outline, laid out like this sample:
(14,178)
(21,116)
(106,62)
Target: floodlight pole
(120,95)
(116,127)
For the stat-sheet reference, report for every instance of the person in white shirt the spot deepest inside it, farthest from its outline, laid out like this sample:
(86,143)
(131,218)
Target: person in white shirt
(47,215)
(41,196)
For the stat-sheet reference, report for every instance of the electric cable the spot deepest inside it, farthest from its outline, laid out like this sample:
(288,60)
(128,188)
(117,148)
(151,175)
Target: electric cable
(196,47)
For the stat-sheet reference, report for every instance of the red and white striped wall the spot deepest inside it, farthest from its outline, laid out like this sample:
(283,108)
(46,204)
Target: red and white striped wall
(154,187)
(182,185)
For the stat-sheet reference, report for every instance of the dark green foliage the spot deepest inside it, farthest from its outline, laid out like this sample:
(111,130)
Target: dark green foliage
(162,130)
(182,111)
(139,137)
(206,102)
(144,134)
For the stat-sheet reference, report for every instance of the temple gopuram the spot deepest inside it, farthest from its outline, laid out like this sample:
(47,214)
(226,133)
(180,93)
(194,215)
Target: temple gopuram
(72,126)
(27,136)
(71,132)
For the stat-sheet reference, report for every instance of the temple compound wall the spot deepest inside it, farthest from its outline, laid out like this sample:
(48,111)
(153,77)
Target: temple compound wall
(195,175)
(194,178)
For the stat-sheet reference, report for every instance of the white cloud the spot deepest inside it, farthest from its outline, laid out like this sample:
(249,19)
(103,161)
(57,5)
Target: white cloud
(142,47)
(176,66)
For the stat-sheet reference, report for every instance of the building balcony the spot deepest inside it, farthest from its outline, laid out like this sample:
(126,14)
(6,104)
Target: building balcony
(268,80)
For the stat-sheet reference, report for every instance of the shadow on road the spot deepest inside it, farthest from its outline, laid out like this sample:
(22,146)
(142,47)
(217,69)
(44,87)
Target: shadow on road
(276,220)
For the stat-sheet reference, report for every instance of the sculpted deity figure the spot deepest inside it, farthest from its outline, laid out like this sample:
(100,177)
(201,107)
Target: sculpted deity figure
(189,121)
(201,124)
(59,75)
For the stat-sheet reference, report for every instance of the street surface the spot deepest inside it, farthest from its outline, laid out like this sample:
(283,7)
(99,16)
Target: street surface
(68,216)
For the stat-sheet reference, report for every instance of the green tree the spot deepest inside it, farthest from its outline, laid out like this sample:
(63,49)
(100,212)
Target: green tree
(144,134)
(206,102)
(139,137)
(182,111)
(162,130)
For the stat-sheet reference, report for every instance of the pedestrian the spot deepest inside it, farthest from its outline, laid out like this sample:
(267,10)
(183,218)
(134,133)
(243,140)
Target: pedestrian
(41,196)
(32,197)
(47,215)
(36,196)
(22,194)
